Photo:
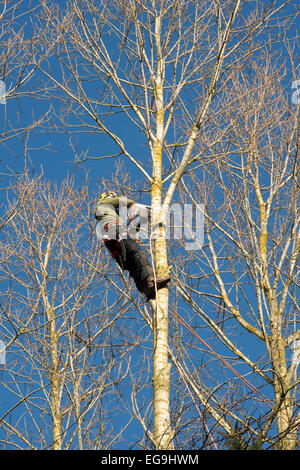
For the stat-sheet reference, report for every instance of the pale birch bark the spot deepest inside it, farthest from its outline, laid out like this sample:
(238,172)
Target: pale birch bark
(53,335)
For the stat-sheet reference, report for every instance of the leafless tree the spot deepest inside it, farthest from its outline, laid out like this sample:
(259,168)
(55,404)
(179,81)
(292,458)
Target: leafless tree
(18,82)
(64,354)
(18,66)
(160,66)
(250,187)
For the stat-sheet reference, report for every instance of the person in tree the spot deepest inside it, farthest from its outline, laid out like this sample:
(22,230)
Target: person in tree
(121,242)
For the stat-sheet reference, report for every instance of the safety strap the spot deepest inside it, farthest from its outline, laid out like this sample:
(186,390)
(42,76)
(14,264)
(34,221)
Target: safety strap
(107,226)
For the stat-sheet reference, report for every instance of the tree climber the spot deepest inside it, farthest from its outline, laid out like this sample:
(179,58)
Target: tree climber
(121,243)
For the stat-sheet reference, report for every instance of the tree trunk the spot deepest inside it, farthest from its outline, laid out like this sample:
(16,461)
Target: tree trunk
(287,432)
(161,366)
(161,373)
(54,378)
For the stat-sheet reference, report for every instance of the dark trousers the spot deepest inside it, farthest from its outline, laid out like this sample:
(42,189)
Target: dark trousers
(130,257)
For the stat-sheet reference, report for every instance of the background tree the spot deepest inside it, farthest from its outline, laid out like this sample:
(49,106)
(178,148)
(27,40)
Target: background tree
(18,81)
(252,252)
(58,324)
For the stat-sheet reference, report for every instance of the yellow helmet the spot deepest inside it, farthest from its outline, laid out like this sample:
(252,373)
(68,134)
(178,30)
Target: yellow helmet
(108,194)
